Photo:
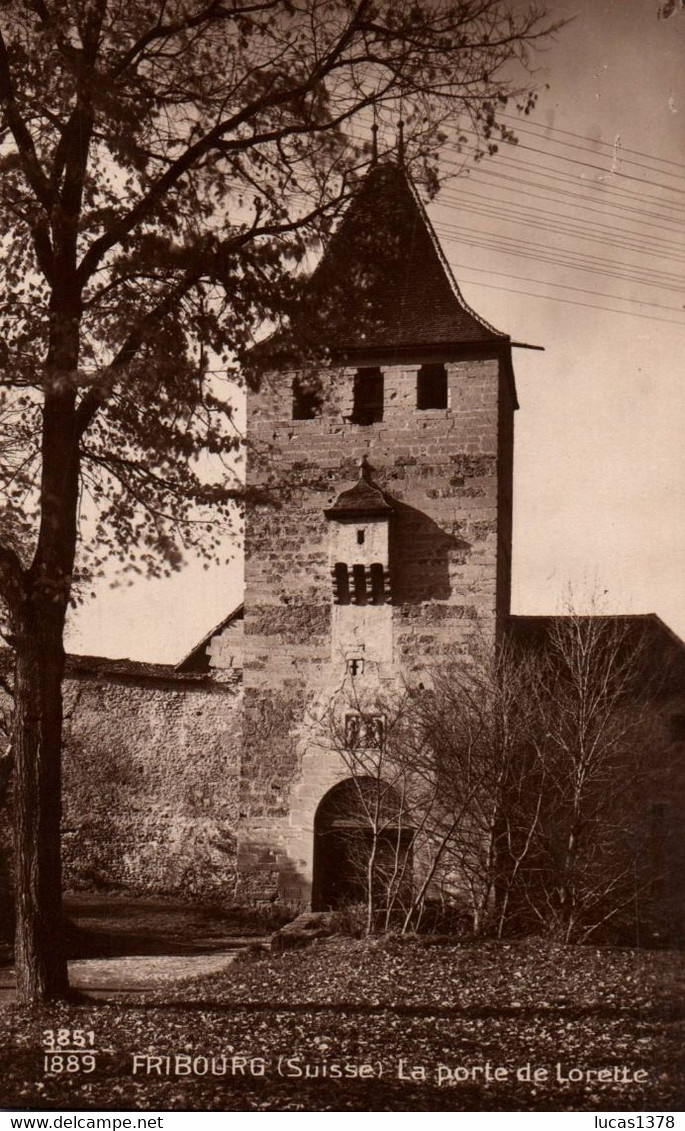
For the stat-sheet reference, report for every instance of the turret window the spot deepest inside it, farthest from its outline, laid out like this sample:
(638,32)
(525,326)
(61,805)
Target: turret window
(368,397)
(431,387)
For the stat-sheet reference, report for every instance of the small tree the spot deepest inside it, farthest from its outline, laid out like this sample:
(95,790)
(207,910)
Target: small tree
(410,812)
(592,708)
(475,722)
(547,740)
(515,783)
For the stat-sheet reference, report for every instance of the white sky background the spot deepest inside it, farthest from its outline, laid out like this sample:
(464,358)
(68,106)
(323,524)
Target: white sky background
(599,479)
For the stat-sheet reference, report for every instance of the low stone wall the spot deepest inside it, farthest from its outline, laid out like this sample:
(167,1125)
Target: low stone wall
(150,783)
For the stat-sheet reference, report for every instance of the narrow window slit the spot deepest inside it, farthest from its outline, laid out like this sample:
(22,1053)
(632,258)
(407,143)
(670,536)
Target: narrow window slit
(377,584)
(359,578)
(341,584)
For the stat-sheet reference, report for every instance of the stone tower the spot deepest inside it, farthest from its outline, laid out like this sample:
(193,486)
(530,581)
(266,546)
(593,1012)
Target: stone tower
(378,540)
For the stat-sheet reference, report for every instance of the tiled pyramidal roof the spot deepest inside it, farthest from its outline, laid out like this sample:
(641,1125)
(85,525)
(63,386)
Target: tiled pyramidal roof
(383,281)
(362,500)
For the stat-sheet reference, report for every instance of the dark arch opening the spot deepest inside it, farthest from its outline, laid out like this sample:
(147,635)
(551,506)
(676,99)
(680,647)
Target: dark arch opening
(346,837)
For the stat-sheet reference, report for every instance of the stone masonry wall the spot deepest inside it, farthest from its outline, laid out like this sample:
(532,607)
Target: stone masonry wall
(225,650)
(446,473)
(150,785)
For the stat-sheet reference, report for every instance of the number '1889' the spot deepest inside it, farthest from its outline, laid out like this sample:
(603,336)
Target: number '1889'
(55,1062)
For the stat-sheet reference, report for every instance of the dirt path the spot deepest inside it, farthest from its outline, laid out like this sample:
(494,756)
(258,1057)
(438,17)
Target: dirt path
(123,947)
(114,979)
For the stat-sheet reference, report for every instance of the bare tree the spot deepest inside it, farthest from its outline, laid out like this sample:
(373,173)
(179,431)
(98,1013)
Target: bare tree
(592,710)
(411,810)
(547,739)
(475,722)
(515,782)
(377,812)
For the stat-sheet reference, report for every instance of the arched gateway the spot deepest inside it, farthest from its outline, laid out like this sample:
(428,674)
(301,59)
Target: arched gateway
(359,838)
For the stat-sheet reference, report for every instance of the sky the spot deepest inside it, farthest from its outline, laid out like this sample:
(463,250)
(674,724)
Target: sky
(573,240)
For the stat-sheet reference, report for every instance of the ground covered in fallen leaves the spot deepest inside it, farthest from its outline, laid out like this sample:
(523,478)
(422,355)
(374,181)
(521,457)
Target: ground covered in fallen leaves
(374,1025)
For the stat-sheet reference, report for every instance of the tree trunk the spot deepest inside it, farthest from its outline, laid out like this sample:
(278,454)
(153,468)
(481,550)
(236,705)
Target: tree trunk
(39,955)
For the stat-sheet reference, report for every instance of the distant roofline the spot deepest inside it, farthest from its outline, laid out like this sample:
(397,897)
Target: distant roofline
(235,613)
(482,344)
(119,668)
(653,617)
(123,668)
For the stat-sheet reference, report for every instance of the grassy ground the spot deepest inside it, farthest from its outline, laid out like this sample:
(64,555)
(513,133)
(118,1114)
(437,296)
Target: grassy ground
(378,1026)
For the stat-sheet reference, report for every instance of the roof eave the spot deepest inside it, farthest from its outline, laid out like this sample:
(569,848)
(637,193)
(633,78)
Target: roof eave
(337,513)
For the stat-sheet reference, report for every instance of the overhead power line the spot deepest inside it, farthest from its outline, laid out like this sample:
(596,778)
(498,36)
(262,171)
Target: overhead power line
(607,268)
(568,287)
(562,175)
(574,302)
(487,170)
(618,154)
(599,168)
(606,208)
(573,225)
(563,258)
(593,141)
(564,230)
(639,273)
(461,166)
(503,237)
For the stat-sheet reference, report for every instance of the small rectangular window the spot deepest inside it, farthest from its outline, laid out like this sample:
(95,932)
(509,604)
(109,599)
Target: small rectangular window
(431,387)
(368,397)
(307,399)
